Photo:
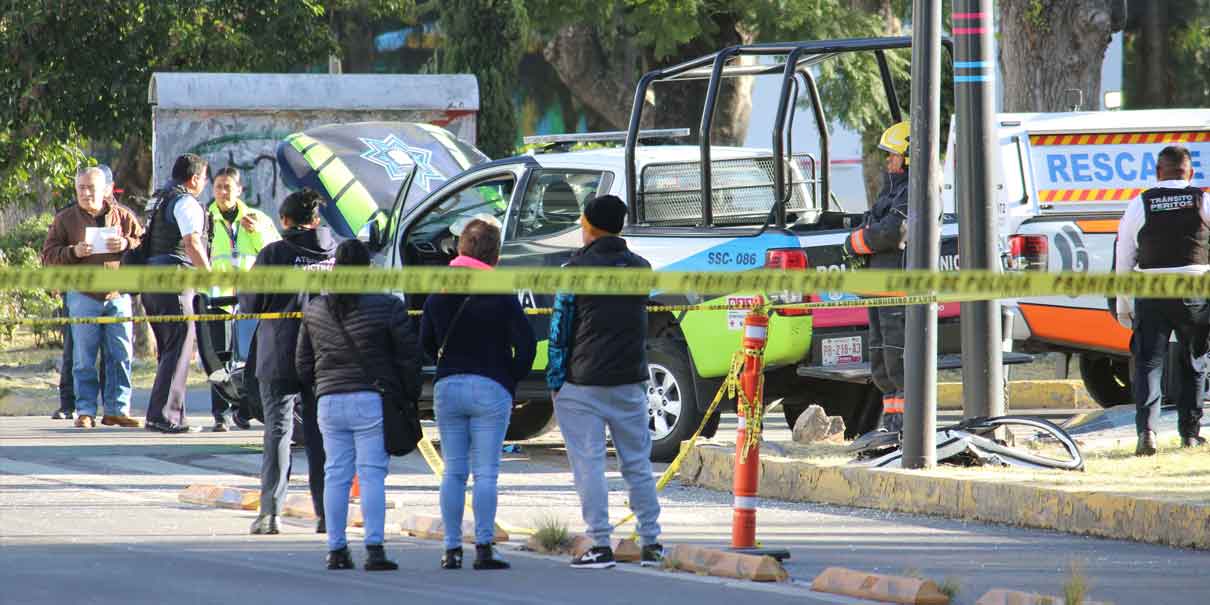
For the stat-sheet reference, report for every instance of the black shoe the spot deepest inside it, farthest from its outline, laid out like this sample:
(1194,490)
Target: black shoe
(265,525)
(597,557)
(340,559)
(240,421)
(1146,445)
(321,527)
(1192,441)
(376,559)
(219,427)
(63,415)
(452,559)
(486,558)
(169,428)
(653,556)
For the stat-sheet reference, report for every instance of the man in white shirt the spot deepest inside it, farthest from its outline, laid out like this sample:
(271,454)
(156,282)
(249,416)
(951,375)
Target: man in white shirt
(1167,230)
(178,235)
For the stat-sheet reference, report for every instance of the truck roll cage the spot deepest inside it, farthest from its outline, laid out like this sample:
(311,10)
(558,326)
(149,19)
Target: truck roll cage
(797,59)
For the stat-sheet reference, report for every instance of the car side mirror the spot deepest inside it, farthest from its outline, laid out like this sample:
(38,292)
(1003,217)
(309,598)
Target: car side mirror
(371,234)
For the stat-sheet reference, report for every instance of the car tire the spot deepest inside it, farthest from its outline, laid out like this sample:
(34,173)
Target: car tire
(1107,379)
(672,409)
(529,420)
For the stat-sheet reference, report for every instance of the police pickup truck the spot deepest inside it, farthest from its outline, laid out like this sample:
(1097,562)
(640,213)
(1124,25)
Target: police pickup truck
(698,207)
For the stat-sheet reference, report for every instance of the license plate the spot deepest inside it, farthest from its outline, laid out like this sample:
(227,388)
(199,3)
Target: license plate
(837,351)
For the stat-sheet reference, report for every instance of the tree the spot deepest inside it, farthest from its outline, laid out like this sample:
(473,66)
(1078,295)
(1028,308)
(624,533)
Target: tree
(1050,46)
(1167,49)
(487,38)
(600,48)
(77,74)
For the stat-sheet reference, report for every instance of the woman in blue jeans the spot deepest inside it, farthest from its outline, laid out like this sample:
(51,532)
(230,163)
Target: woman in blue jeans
(338,332)
(483,346)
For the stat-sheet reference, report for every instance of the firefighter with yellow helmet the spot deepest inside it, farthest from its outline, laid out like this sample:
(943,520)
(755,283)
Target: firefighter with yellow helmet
(880,241)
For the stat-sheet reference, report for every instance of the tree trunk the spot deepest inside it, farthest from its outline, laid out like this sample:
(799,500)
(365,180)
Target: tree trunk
(605,81)
(873,159)
(1050,46)
(132,172)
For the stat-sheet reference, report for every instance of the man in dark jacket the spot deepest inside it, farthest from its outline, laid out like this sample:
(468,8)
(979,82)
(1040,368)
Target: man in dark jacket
(597,370)
(881,239)
(178,236)
(306,246)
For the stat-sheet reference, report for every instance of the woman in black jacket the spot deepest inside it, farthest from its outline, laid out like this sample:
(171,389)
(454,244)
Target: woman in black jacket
(306,246)
(338,332)
(483,346)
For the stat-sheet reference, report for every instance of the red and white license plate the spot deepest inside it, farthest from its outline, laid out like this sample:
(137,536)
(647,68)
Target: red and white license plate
(837,351)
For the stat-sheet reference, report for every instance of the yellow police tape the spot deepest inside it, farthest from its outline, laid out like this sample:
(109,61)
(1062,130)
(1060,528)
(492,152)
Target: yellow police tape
(883,301)
(598,280)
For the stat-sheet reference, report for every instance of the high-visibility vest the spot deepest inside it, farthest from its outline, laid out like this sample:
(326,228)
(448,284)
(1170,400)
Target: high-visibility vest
(231,246)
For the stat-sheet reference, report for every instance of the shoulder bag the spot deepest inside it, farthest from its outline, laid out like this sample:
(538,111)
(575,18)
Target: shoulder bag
(401,429)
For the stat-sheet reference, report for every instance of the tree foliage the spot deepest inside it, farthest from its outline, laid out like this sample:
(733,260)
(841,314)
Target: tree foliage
(78,71)
(487,38)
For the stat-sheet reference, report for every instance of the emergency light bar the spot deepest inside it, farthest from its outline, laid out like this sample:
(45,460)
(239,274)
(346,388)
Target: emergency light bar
(611,135)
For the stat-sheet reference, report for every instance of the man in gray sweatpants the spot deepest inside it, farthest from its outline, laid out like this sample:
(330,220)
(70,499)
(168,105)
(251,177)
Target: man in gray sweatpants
(597,372)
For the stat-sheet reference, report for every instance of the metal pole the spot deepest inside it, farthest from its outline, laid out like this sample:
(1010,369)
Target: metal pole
(982,367)
(924,236)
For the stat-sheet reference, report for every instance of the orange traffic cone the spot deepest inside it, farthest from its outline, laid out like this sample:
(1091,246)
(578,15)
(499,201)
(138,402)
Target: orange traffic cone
(355,492)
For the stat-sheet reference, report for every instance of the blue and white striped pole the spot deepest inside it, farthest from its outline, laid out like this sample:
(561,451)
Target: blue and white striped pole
(974,83)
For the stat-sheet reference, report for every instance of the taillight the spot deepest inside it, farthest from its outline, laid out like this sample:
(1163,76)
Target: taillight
(787,259)
(1027,253)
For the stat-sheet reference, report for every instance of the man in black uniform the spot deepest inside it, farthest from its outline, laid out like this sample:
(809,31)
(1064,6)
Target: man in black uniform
(1167,230)
(882,238)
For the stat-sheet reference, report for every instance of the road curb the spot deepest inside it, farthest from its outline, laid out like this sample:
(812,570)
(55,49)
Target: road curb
(724,564)
(219,496)
(1092,513)
(1000,596)
(890,589)
(1027,394)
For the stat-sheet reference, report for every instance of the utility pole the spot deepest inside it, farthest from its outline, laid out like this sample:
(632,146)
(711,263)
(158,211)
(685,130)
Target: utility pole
(924,236)
(982,367)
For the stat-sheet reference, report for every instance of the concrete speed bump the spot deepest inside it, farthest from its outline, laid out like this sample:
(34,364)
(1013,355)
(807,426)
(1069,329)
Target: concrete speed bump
(1000,596)
(724,564)
(299,506)
(428,527)
(1027,394)
(887,589)
(220,497)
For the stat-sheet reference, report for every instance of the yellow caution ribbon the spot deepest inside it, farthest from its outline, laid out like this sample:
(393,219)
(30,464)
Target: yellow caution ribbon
(605,280)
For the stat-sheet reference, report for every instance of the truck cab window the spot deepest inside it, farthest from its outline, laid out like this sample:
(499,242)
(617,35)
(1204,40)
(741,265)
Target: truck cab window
(430,240)
(553,201)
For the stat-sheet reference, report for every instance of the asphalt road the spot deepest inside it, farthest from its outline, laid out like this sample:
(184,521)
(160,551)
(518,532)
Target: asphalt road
(92,517)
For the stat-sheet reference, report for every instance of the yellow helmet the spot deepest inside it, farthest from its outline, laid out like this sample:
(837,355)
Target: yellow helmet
(895,139)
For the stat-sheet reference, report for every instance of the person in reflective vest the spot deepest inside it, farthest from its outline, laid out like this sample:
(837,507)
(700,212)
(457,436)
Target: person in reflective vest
(1166,229)
(880,242)
(238,235)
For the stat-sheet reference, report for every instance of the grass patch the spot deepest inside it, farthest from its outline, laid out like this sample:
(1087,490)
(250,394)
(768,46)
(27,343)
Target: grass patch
(552,533)
(950,587)
(29,380)
(1075,589)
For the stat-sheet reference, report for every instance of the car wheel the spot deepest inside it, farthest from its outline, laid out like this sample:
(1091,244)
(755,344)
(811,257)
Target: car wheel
(530,419)
(671,399)
(1107,379)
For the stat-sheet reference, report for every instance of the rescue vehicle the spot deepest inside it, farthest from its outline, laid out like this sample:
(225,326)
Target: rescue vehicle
(1063,182)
